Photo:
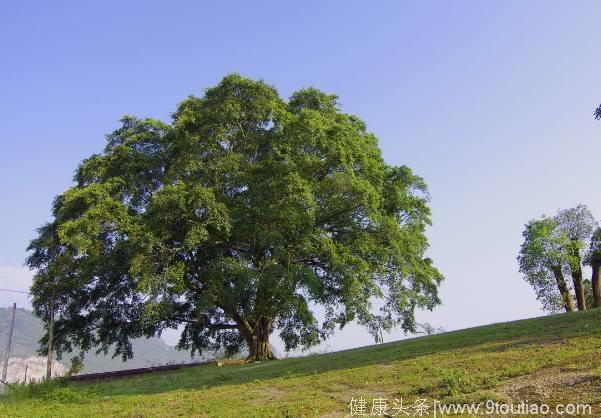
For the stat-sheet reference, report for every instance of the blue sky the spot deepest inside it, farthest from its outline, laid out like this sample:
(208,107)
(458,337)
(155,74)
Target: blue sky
(491,102)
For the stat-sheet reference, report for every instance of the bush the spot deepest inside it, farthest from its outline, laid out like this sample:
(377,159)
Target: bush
(457,382)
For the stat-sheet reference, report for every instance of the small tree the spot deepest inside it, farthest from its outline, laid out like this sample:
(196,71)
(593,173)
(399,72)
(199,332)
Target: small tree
(577,224)
(594,259)
(235,220)
(598,112)
(542,260)
(428,329)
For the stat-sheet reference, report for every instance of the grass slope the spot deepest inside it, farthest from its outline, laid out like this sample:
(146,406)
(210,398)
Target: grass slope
(553,359)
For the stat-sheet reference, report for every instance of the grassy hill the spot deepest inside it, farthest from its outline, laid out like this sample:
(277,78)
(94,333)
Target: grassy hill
(552,360)
(28,330)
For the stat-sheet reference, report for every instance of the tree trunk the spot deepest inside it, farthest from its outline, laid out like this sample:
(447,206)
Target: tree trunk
(568,303)
(258,342)
(596,283)
(579,290)
(50,341)
(576,271)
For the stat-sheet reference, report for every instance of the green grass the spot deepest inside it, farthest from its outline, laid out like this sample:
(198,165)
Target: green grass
(554,359)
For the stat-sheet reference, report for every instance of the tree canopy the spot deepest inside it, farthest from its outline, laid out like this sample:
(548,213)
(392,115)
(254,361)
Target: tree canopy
(236,219)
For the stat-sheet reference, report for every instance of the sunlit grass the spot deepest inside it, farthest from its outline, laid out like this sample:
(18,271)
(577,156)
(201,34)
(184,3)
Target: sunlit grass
(463,366)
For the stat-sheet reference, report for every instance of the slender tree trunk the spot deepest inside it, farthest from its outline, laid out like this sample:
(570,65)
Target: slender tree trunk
(8,344)
(596,283)
(576,271)
(579,290)
(568,302)
(50,341)
(258,342)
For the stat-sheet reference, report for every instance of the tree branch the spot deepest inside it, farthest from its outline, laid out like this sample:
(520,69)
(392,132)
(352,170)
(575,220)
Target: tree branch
(336,214)
(208,325)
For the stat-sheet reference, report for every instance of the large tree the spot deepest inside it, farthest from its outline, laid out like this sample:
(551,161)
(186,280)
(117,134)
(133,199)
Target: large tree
(236,219)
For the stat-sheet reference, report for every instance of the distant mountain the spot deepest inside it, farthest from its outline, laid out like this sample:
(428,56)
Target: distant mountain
(28,330)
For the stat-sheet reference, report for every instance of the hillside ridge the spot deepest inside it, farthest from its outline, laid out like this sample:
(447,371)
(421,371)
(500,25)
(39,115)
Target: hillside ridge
(550,360)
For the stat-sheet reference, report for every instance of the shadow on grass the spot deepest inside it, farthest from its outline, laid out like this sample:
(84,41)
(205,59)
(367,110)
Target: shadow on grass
(508,335)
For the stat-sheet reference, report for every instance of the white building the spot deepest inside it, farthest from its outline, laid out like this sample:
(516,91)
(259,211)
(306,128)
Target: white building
(31,368)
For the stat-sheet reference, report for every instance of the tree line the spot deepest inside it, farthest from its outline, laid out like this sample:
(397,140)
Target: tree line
(558,247)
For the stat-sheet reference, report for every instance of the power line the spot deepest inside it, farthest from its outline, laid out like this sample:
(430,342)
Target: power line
(14,291)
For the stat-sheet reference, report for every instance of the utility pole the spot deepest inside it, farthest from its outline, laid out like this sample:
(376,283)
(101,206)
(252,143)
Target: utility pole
(7,354)
(50,340)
